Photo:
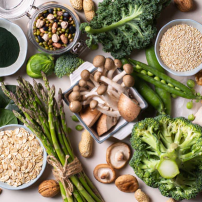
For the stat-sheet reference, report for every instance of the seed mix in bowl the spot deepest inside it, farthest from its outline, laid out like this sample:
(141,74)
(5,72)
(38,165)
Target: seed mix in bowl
(21,157)
(181,48)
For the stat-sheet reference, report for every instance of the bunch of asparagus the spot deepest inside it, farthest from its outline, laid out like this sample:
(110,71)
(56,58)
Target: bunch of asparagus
(45,117)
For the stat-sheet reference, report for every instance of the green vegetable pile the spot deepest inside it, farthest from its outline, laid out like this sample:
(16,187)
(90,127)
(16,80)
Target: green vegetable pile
(40,62)
(122,26)
(168,155)
(66,64)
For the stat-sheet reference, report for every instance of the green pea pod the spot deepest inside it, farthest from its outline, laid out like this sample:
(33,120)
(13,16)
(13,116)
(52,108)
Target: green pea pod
(163,94)
(184,90)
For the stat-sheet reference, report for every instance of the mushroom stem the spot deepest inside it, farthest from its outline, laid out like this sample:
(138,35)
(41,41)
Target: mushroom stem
(111,72)
(119,76)
(110,102)
(90,85)
(93,81)
(109,113)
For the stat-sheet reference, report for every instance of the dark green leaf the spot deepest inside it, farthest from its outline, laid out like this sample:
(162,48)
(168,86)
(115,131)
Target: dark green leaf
(7,117)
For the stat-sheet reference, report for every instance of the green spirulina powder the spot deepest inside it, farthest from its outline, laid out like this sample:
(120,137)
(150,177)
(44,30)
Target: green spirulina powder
(9,48)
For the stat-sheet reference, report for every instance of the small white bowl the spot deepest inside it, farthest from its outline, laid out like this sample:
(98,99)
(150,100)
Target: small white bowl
(5,185)
(22,40)
(158,39)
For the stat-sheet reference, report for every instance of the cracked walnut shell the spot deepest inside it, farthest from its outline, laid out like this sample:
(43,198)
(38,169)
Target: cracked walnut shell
(198,78)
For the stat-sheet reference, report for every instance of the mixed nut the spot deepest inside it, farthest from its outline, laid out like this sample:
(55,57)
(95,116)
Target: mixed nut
(54,29)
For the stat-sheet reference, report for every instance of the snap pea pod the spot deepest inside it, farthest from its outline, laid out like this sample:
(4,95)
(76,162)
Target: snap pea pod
(163,94)
(169,84)
(147,92)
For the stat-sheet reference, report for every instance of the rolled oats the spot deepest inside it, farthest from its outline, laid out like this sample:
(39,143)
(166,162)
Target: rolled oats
(21,157)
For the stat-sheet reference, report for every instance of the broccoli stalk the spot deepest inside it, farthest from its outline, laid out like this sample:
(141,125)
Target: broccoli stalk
(168,154)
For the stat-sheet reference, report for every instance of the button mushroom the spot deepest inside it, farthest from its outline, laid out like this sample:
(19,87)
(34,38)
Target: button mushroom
(101,89)
(99,62)
(128,108)
(128,81)
(85,75)
(118,155)
(128,69)
(127,183)
(75,96)
(104,173)
(75,106)
(109,64)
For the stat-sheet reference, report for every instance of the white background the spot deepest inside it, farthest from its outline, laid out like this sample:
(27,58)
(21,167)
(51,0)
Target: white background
(109,192)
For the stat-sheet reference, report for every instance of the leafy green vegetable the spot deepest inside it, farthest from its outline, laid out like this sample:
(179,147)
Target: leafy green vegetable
(40,62)
(66,64)
(121,26)
(7,117)
(6,103)
(168,156)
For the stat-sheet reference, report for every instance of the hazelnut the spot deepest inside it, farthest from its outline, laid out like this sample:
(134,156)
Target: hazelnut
(49,188)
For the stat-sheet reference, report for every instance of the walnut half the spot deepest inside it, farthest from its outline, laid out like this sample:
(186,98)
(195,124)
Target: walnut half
(198,78)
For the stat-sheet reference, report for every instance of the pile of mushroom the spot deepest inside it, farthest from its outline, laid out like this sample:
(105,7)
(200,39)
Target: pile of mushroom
(105,94)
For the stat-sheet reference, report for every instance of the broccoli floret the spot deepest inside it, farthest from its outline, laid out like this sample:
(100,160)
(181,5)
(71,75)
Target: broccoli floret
(66,64)
(168,155)
(121,26)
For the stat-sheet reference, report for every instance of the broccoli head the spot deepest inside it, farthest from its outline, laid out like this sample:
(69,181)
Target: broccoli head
(66,64)
(121,26)
(168,155)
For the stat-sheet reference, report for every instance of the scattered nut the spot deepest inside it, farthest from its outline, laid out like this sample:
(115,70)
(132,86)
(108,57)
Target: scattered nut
(77,4)
(42,30)
(141,196)
(89,9)
(59,13)
(45,37)
(54,27)
(127,183)
(39,23)
(198,78)
(64,39)
(49,188)
(170,200)
(55,38)
(184,5)
(50,17)
(86,144)
(64,24)
(57,45)
(0,190)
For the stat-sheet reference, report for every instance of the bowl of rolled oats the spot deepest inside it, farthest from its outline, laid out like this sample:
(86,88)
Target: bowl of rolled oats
(178,47)
(22,157)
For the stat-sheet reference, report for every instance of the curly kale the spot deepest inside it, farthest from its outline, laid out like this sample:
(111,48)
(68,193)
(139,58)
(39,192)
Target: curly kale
(66,64)
(168,155)
(122,26)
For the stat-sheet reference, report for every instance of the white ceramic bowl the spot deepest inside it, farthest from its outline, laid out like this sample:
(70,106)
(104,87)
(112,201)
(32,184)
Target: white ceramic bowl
(5,185)
(22,40)
(158,39)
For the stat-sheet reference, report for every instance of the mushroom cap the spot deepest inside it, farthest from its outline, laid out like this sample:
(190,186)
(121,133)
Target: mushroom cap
(128,108)
(99,61)
(128,68)
(76,88)
(128,80)
(82,83)
(85,75)
(97,76)
(113,153)
(75,95)
(101,89)
(93,104)
(104,169)
(127,183)
(75,106)
(109,64)
(118,63)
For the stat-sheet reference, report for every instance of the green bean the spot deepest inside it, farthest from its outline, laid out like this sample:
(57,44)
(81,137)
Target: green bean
(184,90)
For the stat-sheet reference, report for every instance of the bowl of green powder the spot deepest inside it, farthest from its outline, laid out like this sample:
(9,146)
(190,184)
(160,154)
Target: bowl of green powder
(13,47)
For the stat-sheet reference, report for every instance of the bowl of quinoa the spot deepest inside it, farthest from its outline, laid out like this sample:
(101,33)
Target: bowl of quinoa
(178,47)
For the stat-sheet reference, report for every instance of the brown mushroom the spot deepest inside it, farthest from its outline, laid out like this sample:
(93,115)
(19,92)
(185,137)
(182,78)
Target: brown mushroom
(99,62)
(128,69)
(84,83)
(104,173)
(127,183)
(128,81)
(93,104)
(76,88)
(90,116)
(105,123)
(75,106)
(101,90)
(118,63)
(117,155)
(128,108)
(109,64)
(75,96)
(85,75)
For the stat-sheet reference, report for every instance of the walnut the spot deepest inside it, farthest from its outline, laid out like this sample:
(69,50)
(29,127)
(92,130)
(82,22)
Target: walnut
(49,188)
(198,78)
(184,5)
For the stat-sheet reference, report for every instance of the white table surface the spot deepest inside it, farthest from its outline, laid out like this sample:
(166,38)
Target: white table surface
(109,192)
